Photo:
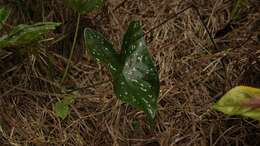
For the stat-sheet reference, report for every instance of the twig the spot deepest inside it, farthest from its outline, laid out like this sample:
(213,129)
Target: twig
(205,27)
(165,21)
(211,38)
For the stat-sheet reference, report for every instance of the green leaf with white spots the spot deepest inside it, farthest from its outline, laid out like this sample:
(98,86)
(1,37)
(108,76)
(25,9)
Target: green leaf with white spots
(23,35)
(101,49)
(4,13)
(135,78)
(84,6)
(61,109)
(138,81)
(241,100)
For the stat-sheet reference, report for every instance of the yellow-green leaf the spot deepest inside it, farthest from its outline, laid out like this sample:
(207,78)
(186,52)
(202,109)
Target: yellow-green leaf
(241,100)
(24,34)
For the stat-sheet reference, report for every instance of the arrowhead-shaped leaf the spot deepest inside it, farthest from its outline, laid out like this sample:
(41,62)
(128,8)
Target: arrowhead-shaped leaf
(241,100)
(135,78)
(61,109)
(23,34)
(138,81)
(4,13)
(84,6)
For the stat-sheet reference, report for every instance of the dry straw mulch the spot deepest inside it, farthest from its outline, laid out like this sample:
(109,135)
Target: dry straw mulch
(192,70)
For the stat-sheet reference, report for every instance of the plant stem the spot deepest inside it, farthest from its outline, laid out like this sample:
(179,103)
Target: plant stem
(72,50)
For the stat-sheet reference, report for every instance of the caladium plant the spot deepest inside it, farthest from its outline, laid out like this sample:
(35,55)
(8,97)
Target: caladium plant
(241,100)
(135,77)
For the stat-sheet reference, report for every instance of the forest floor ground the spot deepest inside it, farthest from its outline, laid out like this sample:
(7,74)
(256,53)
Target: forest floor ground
(193,70)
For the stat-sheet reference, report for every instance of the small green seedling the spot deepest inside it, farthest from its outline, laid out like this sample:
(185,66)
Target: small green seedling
(241,100)
(135,78)
(61,107)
